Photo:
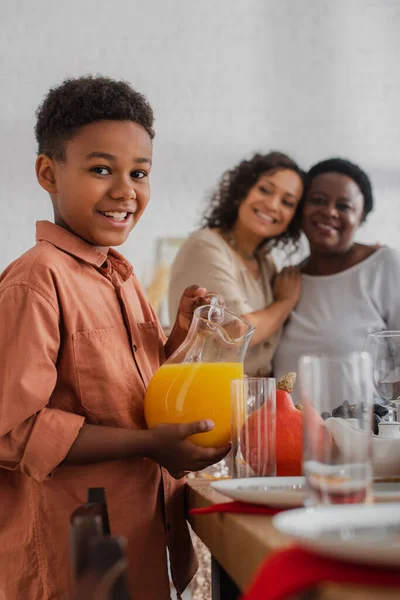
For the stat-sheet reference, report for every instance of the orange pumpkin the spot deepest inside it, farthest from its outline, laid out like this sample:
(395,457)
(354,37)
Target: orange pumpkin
(289,433)
(289,430)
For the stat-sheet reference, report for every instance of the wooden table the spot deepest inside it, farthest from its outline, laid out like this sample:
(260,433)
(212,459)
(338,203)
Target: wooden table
(240,543)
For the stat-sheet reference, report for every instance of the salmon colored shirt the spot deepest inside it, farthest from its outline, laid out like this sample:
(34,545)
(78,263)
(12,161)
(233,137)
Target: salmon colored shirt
(78,344)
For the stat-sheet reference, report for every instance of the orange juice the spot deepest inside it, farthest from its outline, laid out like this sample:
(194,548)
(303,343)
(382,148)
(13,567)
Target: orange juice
(187,392)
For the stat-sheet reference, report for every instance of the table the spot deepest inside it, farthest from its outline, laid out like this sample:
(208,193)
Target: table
(240,543)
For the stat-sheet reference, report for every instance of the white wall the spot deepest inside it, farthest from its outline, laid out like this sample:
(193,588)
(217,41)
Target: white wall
(314,78)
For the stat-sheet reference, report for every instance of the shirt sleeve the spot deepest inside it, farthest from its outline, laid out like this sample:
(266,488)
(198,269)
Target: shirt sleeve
(385,290)
(34,438)
(206,263)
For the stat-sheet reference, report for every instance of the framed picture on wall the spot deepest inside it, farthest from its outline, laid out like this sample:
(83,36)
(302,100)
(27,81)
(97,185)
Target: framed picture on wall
(157,292)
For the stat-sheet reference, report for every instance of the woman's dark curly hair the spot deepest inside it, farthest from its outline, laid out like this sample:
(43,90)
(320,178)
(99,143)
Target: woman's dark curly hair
(234,186)
(79,102)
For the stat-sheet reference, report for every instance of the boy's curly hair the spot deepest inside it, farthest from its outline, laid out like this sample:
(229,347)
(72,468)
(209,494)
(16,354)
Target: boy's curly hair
(84,100)
(234,186)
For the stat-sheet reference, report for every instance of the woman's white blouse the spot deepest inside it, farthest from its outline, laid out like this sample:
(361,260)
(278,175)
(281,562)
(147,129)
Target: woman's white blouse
(337,312)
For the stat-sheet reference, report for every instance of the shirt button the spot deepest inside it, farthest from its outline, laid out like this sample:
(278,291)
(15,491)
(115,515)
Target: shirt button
(134,347)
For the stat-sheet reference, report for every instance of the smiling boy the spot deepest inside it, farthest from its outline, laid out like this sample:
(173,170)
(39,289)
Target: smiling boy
(78,345)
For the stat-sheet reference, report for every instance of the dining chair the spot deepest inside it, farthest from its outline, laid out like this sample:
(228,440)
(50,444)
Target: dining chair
(98,560)
(106,577)
(88,521)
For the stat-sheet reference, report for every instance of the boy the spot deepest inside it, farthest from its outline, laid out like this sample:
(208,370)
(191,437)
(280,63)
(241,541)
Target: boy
(78,345)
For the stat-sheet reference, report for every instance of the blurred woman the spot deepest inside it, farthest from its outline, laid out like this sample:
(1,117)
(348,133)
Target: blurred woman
(348,289)
(254,208)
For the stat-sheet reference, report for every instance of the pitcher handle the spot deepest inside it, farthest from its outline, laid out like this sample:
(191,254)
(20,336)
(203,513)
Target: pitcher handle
(216,310)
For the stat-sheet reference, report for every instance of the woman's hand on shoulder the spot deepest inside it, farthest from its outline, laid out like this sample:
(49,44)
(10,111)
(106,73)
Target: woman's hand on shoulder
(287,285)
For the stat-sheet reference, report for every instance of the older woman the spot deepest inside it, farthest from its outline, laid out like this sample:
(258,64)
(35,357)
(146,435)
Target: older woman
(349,289)
(255,207)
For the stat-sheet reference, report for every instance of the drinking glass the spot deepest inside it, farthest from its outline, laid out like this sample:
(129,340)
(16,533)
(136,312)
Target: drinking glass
(253,410)
(384,348)
(337,449)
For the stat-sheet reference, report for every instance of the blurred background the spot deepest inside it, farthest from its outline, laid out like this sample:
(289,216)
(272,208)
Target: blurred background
(226,78)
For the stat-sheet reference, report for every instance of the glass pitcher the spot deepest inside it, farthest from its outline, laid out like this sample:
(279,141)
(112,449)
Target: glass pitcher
(194,383)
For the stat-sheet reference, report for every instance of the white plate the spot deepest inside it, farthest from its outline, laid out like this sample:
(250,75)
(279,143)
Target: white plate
(280,492)
(335,531)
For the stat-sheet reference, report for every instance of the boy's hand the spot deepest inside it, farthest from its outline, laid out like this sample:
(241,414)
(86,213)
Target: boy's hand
(193,297)
(170,448)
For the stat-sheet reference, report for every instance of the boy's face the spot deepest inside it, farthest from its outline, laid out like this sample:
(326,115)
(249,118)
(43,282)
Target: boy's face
(101,189)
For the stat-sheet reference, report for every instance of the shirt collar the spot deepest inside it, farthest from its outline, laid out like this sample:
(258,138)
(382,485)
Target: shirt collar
(120,264)
(72,244)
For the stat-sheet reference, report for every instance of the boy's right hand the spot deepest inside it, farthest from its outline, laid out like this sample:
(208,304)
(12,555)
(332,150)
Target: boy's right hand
(171,449)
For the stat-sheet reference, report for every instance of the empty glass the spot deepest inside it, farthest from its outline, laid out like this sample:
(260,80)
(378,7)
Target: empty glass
(253,404)
(337,399)
(384,348)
